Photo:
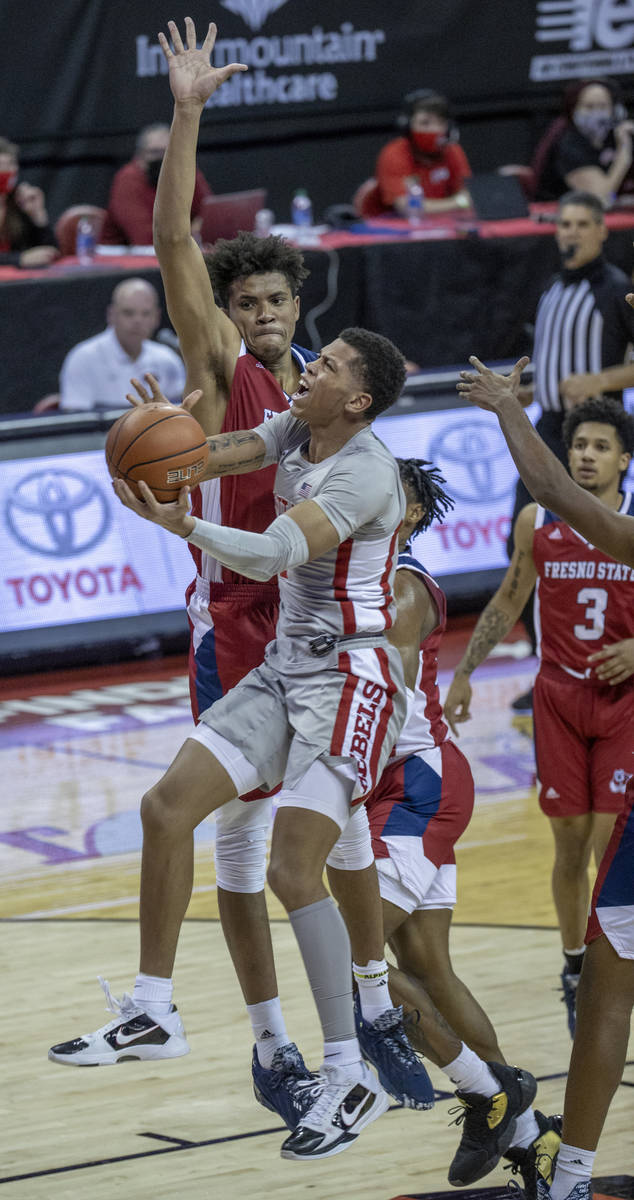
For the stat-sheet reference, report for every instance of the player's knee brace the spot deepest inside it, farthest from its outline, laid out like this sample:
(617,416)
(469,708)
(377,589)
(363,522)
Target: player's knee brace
(353,850)
(241,858)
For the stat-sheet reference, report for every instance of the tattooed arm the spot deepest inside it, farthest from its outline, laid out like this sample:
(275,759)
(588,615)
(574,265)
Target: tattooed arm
(234,454)
(497,619)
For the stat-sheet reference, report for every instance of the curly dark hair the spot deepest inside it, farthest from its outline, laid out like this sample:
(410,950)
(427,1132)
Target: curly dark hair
(605,411)
(379,367)
(247,254)
(425,481)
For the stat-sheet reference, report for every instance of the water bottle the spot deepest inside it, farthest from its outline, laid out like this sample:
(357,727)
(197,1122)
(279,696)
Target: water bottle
(264,219)
(302,209)
(415,202)
(85,242)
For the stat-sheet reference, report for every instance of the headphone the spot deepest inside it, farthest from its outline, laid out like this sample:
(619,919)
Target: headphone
(417,99)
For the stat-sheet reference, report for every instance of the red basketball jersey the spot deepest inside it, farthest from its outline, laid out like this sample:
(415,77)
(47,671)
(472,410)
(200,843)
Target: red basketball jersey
(243,501)
(584,599)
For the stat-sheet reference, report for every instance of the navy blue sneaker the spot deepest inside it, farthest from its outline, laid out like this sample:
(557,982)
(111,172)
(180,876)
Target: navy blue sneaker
(489,1123)
(569,984)
(538,1160)
(287,1087)
(581,1191)
(384,1043)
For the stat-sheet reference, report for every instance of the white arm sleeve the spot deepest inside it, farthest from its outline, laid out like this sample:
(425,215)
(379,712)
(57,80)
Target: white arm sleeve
(256,555)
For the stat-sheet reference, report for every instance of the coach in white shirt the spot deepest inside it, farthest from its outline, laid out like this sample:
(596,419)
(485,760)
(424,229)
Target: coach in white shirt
(96,373)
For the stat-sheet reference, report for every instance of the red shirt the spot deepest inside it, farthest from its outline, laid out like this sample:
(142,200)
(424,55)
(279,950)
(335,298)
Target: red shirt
(131,203)
(439,177)
(584,600)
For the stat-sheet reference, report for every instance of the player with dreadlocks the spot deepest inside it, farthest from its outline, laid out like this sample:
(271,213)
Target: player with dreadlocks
(421,806)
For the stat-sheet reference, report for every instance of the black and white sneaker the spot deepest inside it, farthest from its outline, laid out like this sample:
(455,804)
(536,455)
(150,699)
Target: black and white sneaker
(350,1098)
(131,1036)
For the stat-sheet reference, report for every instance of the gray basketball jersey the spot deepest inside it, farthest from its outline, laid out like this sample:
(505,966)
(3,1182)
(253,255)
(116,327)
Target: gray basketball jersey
(349,589)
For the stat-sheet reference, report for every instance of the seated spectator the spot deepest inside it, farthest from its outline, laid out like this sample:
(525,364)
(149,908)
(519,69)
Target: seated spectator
(26,238)
(133,190)
(96,373)
(426,153)
(588,148)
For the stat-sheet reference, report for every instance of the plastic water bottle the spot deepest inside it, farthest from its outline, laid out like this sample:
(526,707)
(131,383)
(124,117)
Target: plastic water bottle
(264,219)
(415,202)
(302,209)
(85,242)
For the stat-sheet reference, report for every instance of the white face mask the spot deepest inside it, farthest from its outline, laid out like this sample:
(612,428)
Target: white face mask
(595,123)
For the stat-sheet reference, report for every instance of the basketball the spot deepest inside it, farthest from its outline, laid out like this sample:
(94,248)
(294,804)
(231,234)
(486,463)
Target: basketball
(164,446)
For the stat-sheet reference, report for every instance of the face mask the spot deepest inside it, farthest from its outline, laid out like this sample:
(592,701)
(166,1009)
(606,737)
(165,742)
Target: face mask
(429,142)
(152,170)
(595,124)
(8,180)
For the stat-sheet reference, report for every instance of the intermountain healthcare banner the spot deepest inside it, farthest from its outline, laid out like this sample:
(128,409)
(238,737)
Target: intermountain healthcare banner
(96,70)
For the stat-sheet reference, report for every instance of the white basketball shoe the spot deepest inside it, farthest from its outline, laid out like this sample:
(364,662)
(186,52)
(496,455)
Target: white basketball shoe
(131,1036)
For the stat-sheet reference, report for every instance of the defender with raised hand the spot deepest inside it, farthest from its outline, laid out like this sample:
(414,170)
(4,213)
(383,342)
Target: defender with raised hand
(605,995)
(583,711)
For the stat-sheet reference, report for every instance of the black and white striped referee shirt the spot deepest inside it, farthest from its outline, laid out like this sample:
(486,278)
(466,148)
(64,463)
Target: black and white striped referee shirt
(583,325)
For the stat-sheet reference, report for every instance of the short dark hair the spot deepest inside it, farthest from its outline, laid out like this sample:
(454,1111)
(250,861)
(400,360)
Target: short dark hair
(604,411)
(425,481)
(586,200)
(246,255)
(379,366)
(431,102)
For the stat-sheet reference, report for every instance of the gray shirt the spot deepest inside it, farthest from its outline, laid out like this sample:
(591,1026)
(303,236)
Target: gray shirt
(349,589)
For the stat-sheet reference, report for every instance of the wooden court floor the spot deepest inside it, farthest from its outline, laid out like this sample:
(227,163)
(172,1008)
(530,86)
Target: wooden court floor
(77,750)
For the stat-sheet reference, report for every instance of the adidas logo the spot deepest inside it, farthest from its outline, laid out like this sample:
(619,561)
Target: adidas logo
(267,1034)
(556,535)
(551,794)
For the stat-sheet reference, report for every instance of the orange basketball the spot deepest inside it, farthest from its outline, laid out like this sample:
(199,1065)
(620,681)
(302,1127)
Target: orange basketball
(162,445)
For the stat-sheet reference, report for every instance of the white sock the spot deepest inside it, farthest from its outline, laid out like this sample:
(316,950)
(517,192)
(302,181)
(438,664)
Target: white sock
(374,993)
(526,1129)
(153,994)
(268,1028)
(573,1166)
(342,1054)
(471,1074)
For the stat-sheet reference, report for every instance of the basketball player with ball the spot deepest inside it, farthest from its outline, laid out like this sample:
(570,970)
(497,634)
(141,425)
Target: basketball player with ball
(241,358)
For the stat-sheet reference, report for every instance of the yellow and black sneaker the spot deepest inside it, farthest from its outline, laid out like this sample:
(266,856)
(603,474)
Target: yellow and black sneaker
(489,1123)
(538,1160)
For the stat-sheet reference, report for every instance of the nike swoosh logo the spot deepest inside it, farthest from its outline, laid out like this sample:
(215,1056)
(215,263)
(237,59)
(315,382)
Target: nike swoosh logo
(123,1039)
(349,1118)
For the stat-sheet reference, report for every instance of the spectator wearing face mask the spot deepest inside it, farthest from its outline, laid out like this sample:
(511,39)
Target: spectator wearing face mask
(26,238)
(133,190)
(427,154)
(588,148)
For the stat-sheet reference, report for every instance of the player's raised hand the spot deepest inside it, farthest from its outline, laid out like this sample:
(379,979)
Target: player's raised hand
(191,75)
(614,664)
(173,516)
(489,389)
(152,394)
(630,299)
(456,707)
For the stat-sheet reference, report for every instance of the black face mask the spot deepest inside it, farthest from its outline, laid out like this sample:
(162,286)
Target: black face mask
(152,170)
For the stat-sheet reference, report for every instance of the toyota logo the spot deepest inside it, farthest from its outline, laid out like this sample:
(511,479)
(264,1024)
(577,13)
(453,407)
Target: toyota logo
(468,453)
(57,512)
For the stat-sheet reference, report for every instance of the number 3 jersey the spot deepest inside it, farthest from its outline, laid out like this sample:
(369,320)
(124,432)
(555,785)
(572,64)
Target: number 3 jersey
(584,599)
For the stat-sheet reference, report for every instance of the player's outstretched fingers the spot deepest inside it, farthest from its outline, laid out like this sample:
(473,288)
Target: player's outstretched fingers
(479,366)
(192,399)
(210,38)
(142,397)
(629,299)
(177,41)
